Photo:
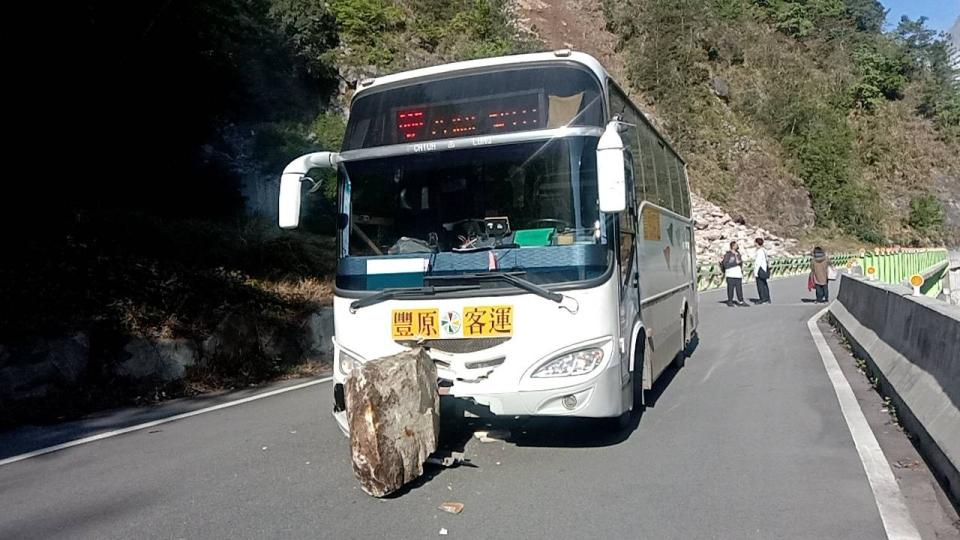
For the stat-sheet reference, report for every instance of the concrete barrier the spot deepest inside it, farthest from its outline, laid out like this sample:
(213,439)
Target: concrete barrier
(953,279)
(912,345)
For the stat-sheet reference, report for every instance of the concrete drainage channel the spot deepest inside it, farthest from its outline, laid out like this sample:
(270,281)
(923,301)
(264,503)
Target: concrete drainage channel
(912,346)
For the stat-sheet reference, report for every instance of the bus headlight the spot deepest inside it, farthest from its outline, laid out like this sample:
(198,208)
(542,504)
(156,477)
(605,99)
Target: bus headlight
(574,363)
(347,362)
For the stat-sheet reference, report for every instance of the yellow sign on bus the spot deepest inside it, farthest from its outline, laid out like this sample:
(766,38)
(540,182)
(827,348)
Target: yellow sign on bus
(430,323)
(415,323)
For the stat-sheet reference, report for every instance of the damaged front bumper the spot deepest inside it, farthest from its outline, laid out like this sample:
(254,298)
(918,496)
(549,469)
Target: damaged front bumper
(508,390)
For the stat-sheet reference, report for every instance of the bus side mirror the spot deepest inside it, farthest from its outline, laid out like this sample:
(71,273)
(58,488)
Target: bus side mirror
(293,175)
(611,181)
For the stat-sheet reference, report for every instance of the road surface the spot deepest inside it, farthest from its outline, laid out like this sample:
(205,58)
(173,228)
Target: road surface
(746,441)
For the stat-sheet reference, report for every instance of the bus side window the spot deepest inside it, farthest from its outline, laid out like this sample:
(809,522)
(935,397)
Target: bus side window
(661,157)
(647,145)
(675,182)
(684,189)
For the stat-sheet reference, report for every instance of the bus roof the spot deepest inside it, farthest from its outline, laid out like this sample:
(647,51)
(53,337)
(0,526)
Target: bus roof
(562,55)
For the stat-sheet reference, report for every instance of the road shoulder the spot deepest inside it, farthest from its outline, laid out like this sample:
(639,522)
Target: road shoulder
(932,512)
(31,439)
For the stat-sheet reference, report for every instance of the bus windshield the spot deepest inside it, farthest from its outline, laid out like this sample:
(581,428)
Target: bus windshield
(532,205)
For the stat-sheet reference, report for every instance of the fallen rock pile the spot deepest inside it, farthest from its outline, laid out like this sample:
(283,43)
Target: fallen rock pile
(716,229)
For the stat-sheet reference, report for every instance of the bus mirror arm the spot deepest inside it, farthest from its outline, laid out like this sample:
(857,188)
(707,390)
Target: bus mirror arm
(293,175)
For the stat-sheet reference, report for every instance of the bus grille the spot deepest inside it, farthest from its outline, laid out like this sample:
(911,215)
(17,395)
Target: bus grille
(458,346)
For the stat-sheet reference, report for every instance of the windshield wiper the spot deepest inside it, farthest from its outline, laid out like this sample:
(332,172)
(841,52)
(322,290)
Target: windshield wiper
(389,294)
(510,277)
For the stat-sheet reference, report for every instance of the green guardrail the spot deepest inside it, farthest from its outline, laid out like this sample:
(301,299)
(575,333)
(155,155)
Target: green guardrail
(889,265)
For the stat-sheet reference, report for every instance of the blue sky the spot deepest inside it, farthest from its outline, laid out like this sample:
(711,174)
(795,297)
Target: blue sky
(942,13)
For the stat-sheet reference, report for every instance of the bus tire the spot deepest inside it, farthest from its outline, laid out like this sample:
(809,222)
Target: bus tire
(636,378)
(620,423)
(681,357)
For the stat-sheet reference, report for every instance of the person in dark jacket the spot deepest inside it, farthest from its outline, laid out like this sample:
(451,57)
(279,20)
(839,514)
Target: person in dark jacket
(732,265)
(820,274)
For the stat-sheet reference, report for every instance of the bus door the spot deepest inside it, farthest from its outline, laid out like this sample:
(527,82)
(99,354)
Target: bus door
(629,269)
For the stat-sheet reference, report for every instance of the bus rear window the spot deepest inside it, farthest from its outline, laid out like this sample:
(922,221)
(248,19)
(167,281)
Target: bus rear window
(514,98)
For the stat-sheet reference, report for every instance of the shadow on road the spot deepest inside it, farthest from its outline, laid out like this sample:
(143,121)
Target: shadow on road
(456,429)
(549,432)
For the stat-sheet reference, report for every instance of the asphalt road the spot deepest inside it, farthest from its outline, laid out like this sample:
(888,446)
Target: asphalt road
(746,441)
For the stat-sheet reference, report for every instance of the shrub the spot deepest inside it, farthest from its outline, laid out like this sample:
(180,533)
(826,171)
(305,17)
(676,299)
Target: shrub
(881,77)
(926,215)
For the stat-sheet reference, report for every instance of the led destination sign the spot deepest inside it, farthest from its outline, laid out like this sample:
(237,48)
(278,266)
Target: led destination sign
(485,116)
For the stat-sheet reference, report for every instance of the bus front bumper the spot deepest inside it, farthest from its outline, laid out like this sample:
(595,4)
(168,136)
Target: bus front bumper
(598,397)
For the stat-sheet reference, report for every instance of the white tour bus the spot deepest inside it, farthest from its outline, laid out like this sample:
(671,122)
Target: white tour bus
(520,218)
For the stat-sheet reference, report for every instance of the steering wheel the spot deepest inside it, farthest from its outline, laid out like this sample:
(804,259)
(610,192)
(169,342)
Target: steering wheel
(558,224)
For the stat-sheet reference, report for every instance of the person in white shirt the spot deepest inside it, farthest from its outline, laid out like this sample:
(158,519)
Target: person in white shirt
(732,265)
(761,271)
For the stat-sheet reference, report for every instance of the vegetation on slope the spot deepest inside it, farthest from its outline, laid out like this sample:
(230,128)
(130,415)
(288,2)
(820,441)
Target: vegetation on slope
(813,79)
(183,107)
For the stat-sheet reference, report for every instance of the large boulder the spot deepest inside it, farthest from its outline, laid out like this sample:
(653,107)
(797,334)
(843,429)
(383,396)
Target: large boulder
(393,410)
(70,356)
(165,359)
(318,331)
(176,355)
(33,370)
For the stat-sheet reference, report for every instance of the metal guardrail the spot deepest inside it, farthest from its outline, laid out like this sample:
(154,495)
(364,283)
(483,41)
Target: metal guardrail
(932,279)
(890,265)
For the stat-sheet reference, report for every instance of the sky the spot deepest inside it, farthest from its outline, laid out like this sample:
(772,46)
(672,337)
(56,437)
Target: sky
(942,13)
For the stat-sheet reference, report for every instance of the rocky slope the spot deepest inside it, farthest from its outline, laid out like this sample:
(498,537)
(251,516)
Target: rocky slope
(847,175)
(716,229)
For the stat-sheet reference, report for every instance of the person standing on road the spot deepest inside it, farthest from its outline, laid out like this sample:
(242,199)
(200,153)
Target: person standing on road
(732,265)
(820,274)
(761,271)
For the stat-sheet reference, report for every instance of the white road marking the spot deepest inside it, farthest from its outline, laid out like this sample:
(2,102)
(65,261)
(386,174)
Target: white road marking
(167,420)
(893,510)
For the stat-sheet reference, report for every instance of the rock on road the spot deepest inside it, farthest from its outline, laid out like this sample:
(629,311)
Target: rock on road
(746,441)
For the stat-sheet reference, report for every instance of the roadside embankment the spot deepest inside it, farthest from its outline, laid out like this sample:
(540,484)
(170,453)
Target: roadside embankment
(912,346)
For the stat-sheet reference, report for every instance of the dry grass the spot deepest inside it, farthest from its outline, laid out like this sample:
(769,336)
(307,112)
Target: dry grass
(315,291)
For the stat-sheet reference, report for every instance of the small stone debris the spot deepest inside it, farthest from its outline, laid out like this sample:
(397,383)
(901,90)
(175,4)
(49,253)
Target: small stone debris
(443,532)
(494,435)
(451,507)
(453,460)
(263,447)
(906,464)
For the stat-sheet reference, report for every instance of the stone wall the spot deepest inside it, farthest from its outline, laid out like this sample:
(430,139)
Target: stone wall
(58,368)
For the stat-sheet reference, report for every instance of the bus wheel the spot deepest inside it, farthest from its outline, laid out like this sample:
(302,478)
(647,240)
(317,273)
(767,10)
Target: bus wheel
(681,357)
(637,376)
(623,422)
